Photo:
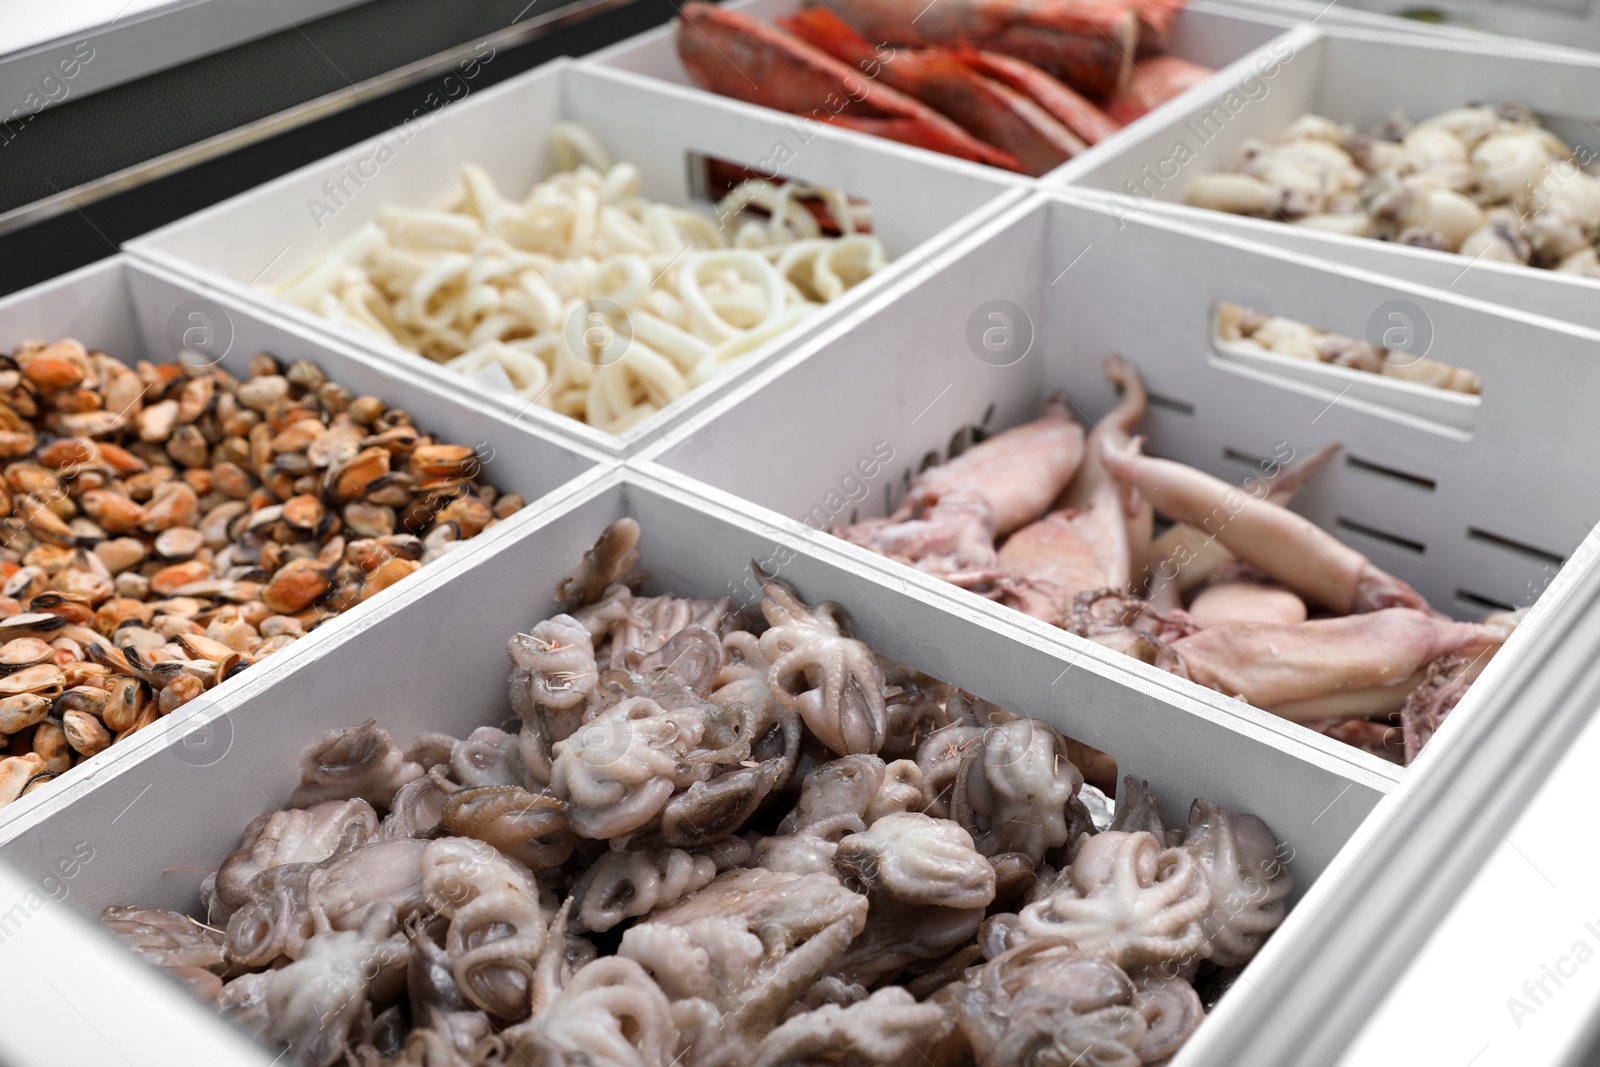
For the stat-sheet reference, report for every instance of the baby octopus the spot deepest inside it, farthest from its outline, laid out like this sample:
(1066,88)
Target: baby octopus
(710,840)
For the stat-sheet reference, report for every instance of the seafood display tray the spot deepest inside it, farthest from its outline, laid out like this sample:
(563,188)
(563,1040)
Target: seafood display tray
(1361,76)
(1207,32)
(1478,502)
(267,234)
(144,312)
(436,660)
(1471,511)
(1452,515)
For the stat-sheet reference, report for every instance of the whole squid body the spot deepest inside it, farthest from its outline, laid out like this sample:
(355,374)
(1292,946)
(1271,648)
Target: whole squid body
(1098,534)
(948,521)
(1290,548)
(1088,45)
(1351,667)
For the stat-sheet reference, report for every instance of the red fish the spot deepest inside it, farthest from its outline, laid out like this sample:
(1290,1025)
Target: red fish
(987,109)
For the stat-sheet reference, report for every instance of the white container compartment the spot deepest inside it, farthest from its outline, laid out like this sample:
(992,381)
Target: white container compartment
(143,312)
(1362,77)
(267,234)
(1207,32)
(438,662)
(1476,513)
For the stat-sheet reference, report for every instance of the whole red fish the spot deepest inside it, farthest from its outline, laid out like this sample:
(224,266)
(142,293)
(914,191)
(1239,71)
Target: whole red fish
(987,109)
(1089,44)
(735,55)
(1155,81)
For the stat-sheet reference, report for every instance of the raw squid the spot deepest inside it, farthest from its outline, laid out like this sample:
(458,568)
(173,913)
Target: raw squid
(1238,594)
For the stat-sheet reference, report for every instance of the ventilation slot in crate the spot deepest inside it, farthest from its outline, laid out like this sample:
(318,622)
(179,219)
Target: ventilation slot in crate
(1244,459)
(1516,548)
(1379,469)
(1478,604)
(1395,541)
(1167,403)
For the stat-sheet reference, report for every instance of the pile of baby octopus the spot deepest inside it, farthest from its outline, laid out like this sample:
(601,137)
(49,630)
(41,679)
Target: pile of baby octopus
(1487,182)
(1238,593)
(720,840)
(166,526)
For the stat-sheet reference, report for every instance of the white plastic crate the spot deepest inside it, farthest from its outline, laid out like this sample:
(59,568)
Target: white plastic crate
(902,379)
(1475,501)
(267,234)
(143,312)
(1361,76)
(437,662)
(1344,13)
(1476,519)
(1208,32)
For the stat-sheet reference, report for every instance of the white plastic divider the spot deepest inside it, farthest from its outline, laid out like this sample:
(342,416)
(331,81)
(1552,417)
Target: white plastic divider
(1360,76)
(437,662)
(267,234)
(144,312)
(76,998)
(1473,520)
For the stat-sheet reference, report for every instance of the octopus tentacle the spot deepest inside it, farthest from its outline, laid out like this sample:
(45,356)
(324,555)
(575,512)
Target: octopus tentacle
(553,667)
(1013,788)
(1249,882)
(488,756)
(917,859)
(275,919)
(296,835)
